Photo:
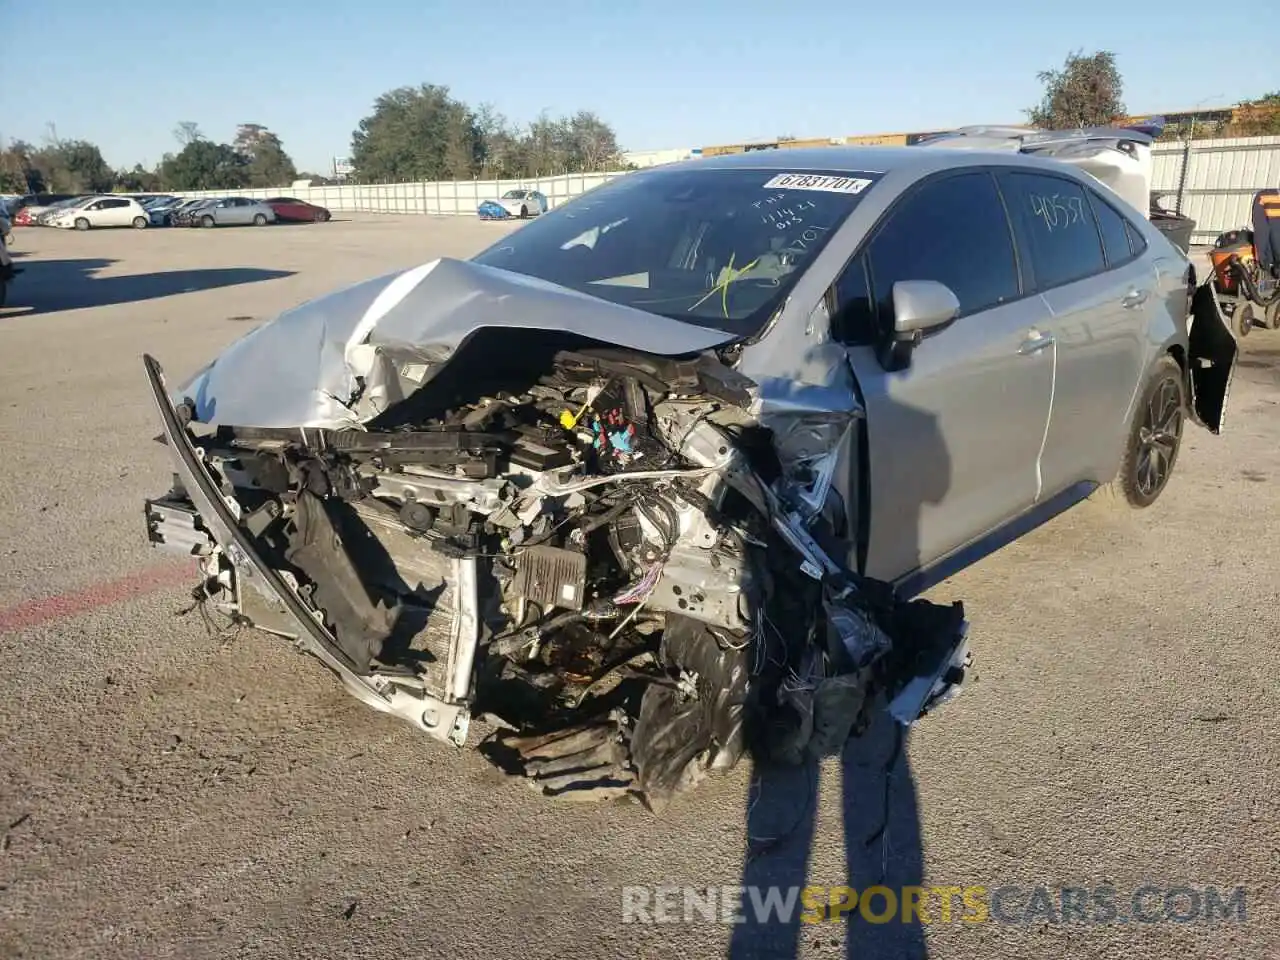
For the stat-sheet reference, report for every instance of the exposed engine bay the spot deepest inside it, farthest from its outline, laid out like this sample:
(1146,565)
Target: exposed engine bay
(593,550)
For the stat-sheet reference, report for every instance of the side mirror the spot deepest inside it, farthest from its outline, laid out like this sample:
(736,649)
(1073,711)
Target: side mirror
(919,306)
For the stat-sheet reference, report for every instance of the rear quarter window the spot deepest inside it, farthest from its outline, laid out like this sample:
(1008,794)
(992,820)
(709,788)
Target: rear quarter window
(1115,229)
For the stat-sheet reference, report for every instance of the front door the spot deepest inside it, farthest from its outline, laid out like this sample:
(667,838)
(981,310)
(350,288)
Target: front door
(954,439)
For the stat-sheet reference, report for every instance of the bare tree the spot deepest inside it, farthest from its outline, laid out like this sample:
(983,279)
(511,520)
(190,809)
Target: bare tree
(187,131)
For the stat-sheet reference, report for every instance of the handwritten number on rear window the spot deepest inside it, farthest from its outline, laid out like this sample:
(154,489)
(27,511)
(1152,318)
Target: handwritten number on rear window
(1056,211)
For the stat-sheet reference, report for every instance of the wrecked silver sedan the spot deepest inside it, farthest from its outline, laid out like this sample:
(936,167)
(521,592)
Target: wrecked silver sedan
(655,480)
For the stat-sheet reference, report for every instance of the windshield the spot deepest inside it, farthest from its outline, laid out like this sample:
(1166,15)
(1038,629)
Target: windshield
(720,248)
(513,195)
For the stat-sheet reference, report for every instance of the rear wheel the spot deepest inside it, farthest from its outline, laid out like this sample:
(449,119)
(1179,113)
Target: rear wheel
(82,223)
(139,223)
(259,219)
(1155,437)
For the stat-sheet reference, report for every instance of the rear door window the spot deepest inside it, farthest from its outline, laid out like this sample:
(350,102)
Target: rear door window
(953,230)
(1056,227)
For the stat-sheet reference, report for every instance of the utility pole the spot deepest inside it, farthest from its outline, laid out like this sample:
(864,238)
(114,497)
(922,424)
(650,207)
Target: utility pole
(1186,152)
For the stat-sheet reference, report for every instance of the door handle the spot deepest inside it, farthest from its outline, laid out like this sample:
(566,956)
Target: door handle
(1134,298)
(1035,343)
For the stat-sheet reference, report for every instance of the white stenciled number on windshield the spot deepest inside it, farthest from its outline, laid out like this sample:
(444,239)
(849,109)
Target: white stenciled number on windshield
(789,216)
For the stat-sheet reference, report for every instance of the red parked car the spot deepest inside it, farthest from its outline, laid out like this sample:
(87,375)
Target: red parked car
(293,210)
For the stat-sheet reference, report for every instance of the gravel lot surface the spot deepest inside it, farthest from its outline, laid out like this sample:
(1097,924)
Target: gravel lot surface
(165,793)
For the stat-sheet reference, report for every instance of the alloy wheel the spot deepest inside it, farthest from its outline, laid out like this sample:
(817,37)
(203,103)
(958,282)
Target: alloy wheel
(1158,438)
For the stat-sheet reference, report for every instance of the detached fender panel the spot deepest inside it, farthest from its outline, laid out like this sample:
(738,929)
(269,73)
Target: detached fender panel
(1211,360)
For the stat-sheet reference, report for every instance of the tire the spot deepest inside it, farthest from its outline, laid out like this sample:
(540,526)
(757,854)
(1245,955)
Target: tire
(82,223)
(1154,438)
(139,223)
(524,213)
(4,292)
(206,221)
(259,219)
(1242,318)
(322,216)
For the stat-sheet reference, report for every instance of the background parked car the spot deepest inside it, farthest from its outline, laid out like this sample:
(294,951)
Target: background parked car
(514,203)
(162,208)
(106,211)
(46,216)
(293,210)
(233,211)
(24,210)
(180,216)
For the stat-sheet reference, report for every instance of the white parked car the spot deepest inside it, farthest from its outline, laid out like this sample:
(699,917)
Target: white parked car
(233,211)
(104,212)
(520,203)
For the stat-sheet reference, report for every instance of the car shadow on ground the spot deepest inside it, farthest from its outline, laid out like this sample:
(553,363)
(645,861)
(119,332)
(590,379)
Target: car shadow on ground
(307,223)
(49,286)
(881,823)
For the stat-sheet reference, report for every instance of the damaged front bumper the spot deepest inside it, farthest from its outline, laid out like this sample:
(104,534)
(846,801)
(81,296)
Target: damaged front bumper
(200,520)
(627,626)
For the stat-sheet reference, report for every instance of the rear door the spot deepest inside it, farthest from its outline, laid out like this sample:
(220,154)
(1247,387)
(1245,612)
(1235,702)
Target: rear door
(1098,294)
(116,212)
(239,211)
(953,440)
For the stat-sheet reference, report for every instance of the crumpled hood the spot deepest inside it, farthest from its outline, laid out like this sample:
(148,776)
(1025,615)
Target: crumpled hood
(303,368)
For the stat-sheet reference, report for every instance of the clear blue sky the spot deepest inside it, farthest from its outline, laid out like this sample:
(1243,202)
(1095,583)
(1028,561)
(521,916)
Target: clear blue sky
(665,73)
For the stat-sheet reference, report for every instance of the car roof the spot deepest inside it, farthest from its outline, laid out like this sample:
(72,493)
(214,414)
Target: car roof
(861,159)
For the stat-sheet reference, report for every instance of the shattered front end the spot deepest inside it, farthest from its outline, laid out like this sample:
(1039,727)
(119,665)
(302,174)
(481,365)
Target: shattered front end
(620,561)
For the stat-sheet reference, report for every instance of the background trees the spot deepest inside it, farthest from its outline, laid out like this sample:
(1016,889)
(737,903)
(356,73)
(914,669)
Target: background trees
(1085,92)
(205,165)
(269,165)
(424,133)
(254,158)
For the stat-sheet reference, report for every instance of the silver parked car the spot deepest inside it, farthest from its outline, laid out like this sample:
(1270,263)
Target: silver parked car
(232,212)
(656,479)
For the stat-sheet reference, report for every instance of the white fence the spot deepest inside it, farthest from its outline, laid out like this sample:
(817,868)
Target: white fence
(444,198)
(1214,180)
(1211,181)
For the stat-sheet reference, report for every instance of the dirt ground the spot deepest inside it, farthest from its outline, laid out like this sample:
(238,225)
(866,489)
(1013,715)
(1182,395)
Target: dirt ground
(167,793)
